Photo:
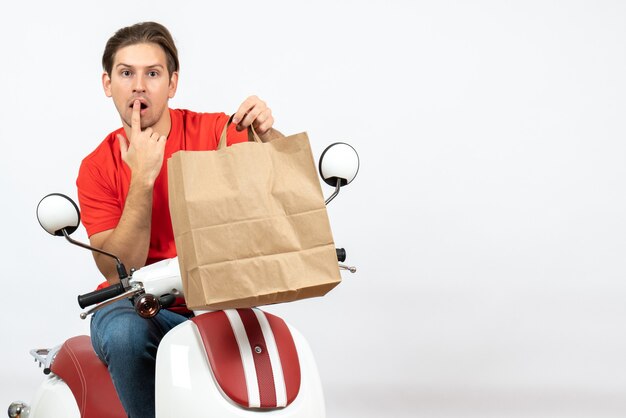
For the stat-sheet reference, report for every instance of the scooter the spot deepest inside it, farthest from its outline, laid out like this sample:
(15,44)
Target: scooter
(230,363)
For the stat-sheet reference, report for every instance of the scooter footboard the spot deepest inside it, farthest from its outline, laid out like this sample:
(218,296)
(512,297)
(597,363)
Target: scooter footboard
(254,368)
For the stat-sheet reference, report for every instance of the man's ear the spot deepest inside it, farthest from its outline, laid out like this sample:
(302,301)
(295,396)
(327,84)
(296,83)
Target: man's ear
(106,84)
(173,84)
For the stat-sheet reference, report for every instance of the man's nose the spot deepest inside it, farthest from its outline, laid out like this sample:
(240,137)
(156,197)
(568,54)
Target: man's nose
(139,83)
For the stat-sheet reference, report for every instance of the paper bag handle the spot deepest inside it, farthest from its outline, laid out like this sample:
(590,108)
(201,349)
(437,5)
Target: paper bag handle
(252,135)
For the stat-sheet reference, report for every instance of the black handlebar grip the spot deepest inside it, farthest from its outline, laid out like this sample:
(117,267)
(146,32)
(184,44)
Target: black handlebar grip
(101,295)
(341,254)
(167,300)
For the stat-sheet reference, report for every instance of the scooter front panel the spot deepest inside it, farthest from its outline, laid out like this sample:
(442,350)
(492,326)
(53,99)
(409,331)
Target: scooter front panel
(187,386)
(255,343)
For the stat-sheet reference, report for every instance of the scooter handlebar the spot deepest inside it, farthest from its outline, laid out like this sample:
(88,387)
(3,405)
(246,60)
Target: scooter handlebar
(101,295)
(117,289)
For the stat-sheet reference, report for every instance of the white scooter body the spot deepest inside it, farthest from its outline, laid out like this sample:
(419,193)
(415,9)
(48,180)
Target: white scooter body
(53,399)
(185,385)
(185,382)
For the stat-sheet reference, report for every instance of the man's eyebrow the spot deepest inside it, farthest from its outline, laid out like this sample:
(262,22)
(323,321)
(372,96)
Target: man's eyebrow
(121,64)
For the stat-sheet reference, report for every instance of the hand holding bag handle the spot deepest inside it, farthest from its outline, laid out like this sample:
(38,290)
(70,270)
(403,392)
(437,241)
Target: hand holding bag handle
(252,135)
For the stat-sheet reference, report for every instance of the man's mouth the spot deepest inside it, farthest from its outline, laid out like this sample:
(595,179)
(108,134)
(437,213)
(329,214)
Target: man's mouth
(142,105)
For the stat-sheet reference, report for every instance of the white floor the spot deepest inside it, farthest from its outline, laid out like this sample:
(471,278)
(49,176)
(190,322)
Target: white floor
(454,404)
(350,400)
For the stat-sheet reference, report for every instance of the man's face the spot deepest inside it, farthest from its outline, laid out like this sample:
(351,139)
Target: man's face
(140,72)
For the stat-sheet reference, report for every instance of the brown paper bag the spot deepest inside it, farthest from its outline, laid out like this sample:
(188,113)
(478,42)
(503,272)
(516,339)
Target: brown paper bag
(250,224)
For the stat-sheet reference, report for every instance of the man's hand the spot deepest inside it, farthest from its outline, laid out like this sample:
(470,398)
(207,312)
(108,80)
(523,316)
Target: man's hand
(130,239)
(254,111)
(144,154)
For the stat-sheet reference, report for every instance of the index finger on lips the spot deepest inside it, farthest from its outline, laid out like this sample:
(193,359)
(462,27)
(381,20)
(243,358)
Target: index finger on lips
(135,121)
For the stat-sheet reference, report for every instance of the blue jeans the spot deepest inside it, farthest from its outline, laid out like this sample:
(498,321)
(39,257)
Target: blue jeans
(127,344)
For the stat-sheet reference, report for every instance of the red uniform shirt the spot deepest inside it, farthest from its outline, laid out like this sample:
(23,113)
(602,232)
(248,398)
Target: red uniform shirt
(104,179)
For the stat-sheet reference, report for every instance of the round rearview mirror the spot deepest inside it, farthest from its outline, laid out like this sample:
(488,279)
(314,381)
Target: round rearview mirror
(339,161)
(57,212)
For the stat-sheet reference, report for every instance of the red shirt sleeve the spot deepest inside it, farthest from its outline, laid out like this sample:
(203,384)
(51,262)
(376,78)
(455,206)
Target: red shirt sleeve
(98,192)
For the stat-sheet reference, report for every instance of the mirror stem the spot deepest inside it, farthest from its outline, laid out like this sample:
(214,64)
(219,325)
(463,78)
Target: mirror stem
(336,192)
(121,270)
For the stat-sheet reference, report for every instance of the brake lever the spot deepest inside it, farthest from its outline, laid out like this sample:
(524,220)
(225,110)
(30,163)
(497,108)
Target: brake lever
(351,269)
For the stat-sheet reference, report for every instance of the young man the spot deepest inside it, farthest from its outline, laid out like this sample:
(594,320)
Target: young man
(122,190)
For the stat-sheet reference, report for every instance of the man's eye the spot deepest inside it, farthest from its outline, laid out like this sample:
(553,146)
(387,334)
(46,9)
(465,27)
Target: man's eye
(153,74)
(125,73)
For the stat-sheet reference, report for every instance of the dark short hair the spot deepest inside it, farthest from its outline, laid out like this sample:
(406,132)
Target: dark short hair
(139,33)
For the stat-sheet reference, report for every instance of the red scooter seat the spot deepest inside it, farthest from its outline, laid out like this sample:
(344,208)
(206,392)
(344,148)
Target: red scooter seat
(88,378)
(252,355)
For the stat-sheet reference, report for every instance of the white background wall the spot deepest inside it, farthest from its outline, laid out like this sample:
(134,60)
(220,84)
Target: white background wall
(488,220)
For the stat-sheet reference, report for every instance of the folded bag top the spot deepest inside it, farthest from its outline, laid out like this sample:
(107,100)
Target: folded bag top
(250,224)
